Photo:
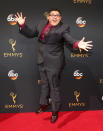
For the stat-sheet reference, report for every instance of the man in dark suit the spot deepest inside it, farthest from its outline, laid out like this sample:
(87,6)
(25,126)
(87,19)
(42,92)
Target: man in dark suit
(52,34)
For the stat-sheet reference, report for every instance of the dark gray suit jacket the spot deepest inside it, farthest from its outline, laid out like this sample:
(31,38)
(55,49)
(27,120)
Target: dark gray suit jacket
(51,51)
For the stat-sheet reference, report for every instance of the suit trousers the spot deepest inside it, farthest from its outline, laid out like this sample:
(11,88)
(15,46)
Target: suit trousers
(50,87)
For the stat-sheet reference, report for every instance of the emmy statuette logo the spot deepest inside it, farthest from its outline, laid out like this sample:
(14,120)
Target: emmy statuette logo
(77,94)
(14,105)
(13,52)
(13,97)
(12,43)
(77,103)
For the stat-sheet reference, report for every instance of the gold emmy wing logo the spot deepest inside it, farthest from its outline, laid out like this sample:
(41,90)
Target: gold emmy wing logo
(13,97)
(12,43)
(77,94)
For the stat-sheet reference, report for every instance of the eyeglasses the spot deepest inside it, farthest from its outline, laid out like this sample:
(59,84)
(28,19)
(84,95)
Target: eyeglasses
(55,15)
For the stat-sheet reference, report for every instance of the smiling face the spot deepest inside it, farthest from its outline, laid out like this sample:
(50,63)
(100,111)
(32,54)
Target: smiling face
(54,18)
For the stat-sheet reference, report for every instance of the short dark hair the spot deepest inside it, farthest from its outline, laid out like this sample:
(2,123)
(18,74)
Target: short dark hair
(54,9)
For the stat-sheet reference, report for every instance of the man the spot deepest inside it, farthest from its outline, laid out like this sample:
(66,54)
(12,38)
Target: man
(52,34)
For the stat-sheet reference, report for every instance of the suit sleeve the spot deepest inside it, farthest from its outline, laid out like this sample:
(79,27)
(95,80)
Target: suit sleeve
(69,41)
(26,31)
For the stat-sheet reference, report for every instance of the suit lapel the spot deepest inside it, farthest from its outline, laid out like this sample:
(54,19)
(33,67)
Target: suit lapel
(41,26)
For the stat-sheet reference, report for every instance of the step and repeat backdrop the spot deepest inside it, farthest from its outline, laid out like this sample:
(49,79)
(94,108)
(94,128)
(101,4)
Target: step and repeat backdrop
(82,77)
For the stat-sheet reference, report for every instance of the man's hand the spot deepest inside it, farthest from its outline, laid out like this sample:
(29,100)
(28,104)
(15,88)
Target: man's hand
(20,19)
(85,45)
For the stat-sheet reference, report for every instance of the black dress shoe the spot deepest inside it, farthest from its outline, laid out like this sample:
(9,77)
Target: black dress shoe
(42,108)
(54,117)
(39,110)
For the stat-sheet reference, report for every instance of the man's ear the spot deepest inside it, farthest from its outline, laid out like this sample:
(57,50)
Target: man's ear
(61,17)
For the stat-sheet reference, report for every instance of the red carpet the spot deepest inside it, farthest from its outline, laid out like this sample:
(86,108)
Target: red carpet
(68,121)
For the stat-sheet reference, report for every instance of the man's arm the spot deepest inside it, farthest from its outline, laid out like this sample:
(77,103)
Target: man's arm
(81,44)
(69,41)
(26,31)
(23,28)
